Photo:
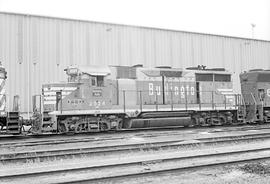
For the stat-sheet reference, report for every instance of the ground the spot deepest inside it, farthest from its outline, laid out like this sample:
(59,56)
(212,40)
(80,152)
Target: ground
(245,173)
(253,172)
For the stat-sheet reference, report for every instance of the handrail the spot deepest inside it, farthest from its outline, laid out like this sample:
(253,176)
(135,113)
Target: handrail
(124,101)
(243,100)
(253,98)
(141,101)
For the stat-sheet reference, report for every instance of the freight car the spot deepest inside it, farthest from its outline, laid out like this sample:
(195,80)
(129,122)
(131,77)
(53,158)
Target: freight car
(104,98)
(10,121)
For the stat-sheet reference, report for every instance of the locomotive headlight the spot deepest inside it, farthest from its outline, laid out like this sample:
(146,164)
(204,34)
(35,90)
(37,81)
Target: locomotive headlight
(72,71)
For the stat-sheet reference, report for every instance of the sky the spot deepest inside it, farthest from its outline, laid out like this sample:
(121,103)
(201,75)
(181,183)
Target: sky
(222,17)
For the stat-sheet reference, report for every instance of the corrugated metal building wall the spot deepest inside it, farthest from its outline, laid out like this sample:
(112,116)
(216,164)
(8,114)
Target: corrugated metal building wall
(36,49)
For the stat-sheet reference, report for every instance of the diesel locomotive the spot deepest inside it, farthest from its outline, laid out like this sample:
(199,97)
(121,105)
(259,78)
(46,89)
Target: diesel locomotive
(105,98)
(96,98)
(10,121)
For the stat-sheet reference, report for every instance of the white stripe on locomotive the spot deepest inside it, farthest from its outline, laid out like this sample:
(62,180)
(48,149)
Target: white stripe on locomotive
(2,95)
(59,88)
(50,94)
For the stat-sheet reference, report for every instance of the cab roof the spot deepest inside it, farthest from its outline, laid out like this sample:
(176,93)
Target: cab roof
(92,70)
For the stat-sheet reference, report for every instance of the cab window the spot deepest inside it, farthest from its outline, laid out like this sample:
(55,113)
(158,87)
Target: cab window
(100,81)
(97,81)
(93,81)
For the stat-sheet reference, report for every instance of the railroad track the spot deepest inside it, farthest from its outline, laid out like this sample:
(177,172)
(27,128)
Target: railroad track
(114,170)
(74,139)
(68,153)
(55,142)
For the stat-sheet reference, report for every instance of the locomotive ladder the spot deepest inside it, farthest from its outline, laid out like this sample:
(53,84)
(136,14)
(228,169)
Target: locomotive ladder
(13,118)
(13,122)
(241,108)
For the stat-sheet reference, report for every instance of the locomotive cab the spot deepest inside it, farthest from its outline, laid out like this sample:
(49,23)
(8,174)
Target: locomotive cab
(92,90)
(255,88)
(87,88)
(76,75)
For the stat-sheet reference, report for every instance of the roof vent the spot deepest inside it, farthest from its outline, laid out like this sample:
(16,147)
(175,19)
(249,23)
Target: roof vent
(218,69)
(199,67)
(192,68)
(164,67)
(138,66)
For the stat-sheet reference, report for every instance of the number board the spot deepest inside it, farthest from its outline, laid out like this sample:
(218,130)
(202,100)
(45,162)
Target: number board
(97,92)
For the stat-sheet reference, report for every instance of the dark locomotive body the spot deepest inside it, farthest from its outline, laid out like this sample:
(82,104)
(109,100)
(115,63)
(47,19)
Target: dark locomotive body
(255,86)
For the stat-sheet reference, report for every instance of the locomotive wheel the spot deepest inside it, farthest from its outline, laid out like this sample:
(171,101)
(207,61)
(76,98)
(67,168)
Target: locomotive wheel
(222,119)
(78,129)
(103,127)
(62,128)
(207,122)
(194,122)
(120,125)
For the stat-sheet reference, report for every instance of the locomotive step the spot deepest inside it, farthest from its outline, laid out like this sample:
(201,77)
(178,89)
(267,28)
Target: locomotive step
(13,132)
(13,112)
(13,127)
(47,123)
(12,119)
(47,129)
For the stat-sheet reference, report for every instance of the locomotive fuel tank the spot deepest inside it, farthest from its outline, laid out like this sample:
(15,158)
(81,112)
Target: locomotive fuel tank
(160,119)
(160,122)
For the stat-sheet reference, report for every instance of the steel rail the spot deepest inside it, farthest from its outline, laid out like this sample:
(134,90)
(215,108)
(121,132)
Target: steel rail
(44,155)
(93,139)
(140,162)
